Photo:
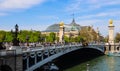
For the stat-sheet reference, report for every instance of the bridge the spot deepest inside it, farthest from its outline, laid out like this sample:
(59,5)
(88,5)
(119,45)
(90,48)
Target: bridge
(21,59)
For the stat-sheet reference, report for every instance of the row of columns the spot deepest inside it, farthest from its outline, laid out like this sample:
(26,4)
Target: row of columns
(112,48)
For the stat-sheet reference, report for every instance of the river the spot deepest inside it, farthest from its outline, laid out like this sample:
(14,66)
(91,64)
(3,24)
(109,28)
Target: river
(102,63)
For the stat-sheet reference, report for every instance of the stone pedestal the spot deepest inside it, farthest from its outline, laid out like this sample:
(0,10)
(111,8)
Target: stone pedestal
(111,34)
(13,58)
(18,49)
(18,57)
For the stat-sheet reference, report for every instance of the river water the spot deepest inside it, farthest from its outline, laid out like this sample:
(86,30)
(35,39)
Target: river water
(102,63)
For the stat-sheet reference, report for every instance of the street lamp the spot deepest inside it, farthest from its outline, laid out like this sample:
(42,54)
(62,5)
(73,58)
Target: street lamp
(15,40)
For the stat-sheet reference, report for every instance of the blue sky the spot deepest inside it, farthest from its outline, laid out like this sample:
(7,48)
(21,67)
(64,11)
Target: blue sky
(38,14)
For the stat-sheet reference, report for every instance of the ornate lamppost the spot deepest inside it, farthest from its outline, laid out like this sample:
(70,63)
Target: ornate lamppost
(15,40)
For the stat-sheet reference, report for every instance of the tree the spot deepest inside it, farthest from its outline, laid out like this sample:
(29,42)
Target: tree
(79,39)
(117,37)
(57,39)
(43,38)
(51,37)
(22,35)
(2,36)
(89,31)
(9,37)
(66,39)
(85,33)
(33,36)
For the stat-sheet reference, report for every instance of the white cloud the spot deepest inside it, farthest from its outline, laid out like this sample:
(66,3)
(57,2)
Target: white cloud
(86,5)
(102,14)
(16,4)
(7,6)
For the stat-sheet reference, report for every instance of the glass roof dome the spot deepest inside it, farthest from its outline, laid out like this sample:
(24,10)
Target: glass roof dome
(68,27)
(53,28)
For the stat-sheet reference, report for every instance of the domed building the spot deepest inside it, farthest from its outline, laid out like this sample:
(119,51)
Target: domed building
(69,29)
(72,30)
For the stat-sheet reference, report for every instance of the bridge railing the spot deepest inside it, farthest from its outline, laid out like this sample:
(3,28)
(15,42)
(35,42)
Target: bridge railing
(99,46)
(44,55)
(29,49)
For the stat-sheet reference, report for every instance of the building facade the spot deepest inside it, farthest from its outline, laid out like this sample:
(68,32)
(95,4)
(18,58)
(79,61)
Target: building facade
(73,29)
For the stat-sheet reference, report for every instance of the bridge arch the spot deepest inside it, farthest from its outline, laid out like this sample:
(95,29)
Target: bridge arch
(5,68)
(70,59)
(67,50)
(91,51)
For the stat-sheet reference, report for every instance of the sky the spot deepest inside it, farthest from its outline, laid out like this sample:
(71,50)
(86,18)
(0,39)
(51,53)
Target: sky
(39,14)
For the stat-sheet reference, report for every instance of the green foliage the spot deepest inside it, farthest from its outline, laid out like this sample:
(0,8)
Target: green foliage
(117,37)
(57,39)
(66,39)
(22,35)
(42,38)
(105,39)
(2,36)
(85,35)
(51,38)
(33,36)
(73,39)
(7,36)
(79,39)
(89,34)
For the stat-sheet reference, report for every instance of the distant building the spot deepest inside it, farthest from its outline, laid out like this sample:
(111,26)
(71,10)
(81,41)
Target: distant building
(73,29)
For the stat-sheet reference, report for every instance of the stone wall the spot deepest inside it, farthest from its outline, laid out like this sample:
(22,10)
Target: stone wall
(19,63)
(14,62)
